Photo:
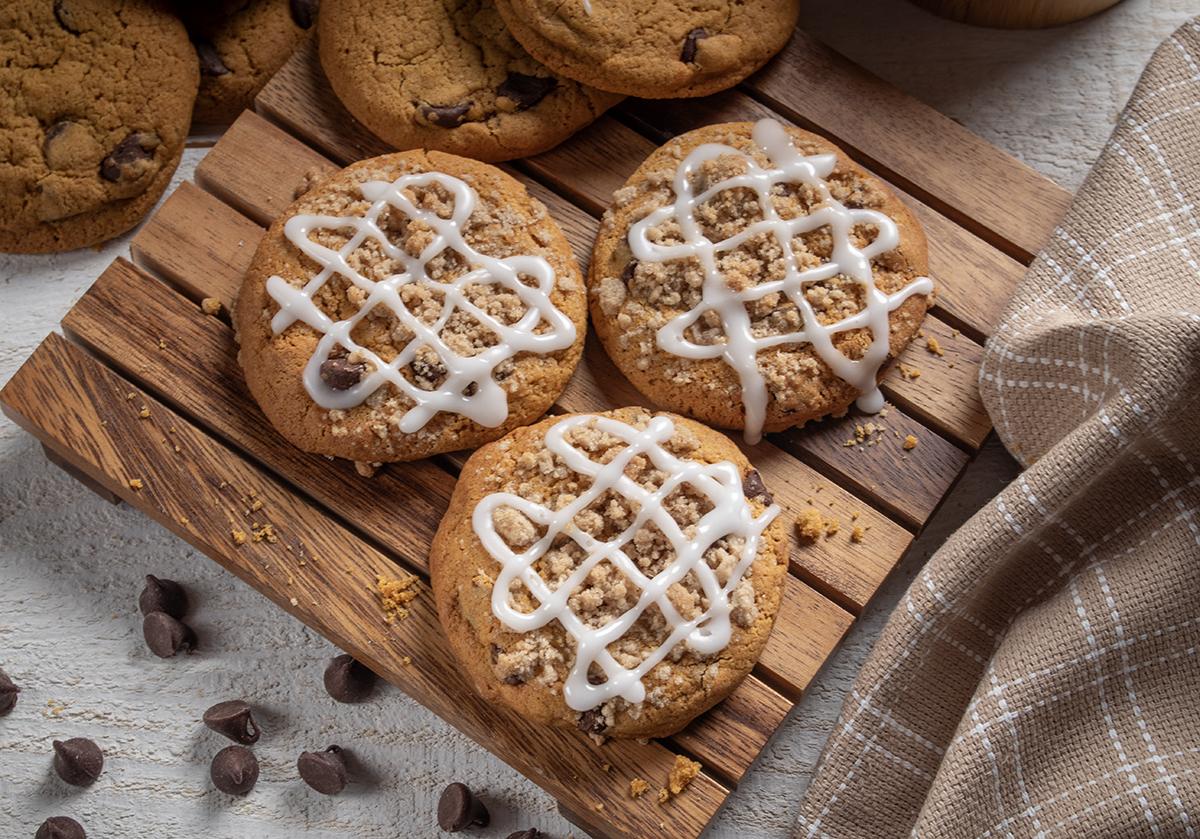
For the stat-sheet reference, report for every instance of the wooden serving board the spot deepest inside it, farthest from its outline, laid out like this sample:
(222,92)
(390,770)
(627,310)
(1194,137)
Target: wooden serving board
(143,399)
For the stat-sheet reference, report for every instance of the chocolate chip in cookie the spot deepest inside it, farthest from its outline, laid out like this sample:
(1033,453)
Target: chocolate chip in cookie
(131,159)
(688,55)
(447,116)
(753,487)
(304,12)
(526,91)
(341,374)
(65,17)
(211,63)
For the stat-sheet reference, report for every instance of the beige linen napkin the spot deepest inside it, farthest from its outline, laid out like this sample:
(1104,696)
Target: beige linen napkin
(1041,676)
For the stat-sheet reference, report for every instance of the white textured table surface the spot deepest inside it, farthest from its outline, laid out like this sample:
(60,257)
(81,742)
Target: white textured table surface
(71,565)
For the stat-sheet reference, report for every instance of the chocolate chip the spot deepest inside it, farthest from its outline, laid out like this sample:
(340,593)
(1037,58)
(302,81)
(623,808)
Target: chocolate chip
(458,808)
(53,133)
(8,694)
(78,761)
(528,833)
(592,722)
(347,680)
(341,374)
(211,63)
(304,12)
(753,487)
(60,827)
(122,163)
(166,636)
(514,679)
(525,90)
(62,13)
(233,719)
(324,771)
(627,274)
(427,372)
(161,595)
(234,770)
(447,116)
(688,55)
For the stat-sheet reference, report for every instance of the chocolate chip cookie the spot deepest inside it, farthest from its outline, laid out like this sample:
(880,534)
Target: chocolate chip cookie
(240,45)
(447,75)
(95,101)
(662,49)
(410,304)
(618,573)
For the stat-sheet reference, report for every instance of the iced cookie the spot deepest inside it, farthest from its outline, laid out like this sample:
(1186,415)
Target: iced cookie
(240,44)
(753,276)
(663,49)
(95,101)
(447,75)
(618,573)
(410,304)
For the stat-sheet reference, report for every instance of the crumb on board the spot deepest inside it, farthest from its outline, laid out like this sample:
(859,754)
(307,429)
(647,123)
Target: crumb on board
(858,534)
(637,788)
(210,306)
(135,483)
(239,536)
(910,373)
(910,443)
(144,413)
(682,773)
(367,470)
(866,434)
(265,533)
(934,347)
(406,660)
(395,595)
(129,397)
(162,343)
(811,525)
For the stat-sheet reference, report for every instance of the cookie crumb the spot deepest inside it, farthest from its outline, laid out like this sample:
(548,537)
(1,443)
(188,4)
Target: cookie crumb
(238,536)
(135,483)
(857,534)
(637,788)
(810,524)
(831,527)
(367,470)
(395,595)
(910,373)
(682,773)
(910,443)
(406,660)
(144,413)
(934,347)
(162,343)
(210,306)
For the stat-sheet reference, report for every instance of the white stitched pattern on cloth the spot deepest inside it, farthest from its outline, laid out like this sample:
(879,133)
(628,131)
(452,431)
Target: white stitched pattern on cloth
(731,515)
(470,388)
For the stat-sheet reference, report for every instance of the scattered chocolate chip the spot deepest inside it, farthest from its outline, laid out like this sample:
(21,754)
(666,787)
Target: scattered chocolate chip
(528,833)
(458,808)
(234,770)
(341,374)
(60,827)
(324,771)
(525,90)
(753,487)
(688,55)
(78,761)
(447,116)
(592,722)
(514,680)
(627,274)
(233,719)
(122,163)
(304,12)
(211,63)
(163,596)
(62,13)
(347,680)
(167,636)
(8,694)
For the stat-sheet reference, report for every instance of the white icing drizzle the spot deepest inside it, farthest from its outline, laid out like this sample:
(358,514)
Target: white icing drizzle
(740,349)
(731,515)
(488,403)
(587,6)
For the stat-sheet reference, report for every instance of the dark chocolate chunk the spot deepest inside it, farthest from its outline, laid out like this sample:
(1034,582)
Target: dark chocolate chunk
(8,694)
(62,13)
(304,12)
(60,827)
(167,636)
(688,55)
(233,719)
(427,372)
(53,133)
(341,374)
(458,808)
(347,680)
(447,116)
(528,833)
(234,770)
(627,274)
(122,163)
(78,761)
(525,90)
(324,771)
(163,596)
(753,487)
(592,721)
(211,63)
(514,679)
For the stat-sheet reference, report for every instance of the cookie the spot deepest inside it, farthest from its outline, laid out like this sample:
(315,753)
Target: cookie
(665,49)
(618,573)
(410,304)
(447,75)
(240,45)
(95,101)
(753,276)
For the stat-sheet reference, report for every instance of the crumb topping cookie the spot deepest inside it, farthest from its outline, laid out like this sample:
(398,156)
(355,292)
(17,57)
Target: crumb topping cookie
(410,304)
(240,45)
(95,101)
(753,276)
(447,75)
(662,49)
(618,572)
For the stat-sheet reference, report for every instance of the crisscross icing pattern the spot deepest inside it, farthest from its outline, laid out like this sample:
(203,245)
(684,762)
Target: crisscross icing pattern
(469,388)
(731,516)
(741,346)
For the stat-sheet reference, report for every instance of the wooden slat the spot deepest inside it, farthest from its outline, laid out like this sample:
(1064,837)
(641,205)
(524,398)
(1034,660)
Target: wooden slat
(202,266)
(324,575)
(925,151)
(196,371)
